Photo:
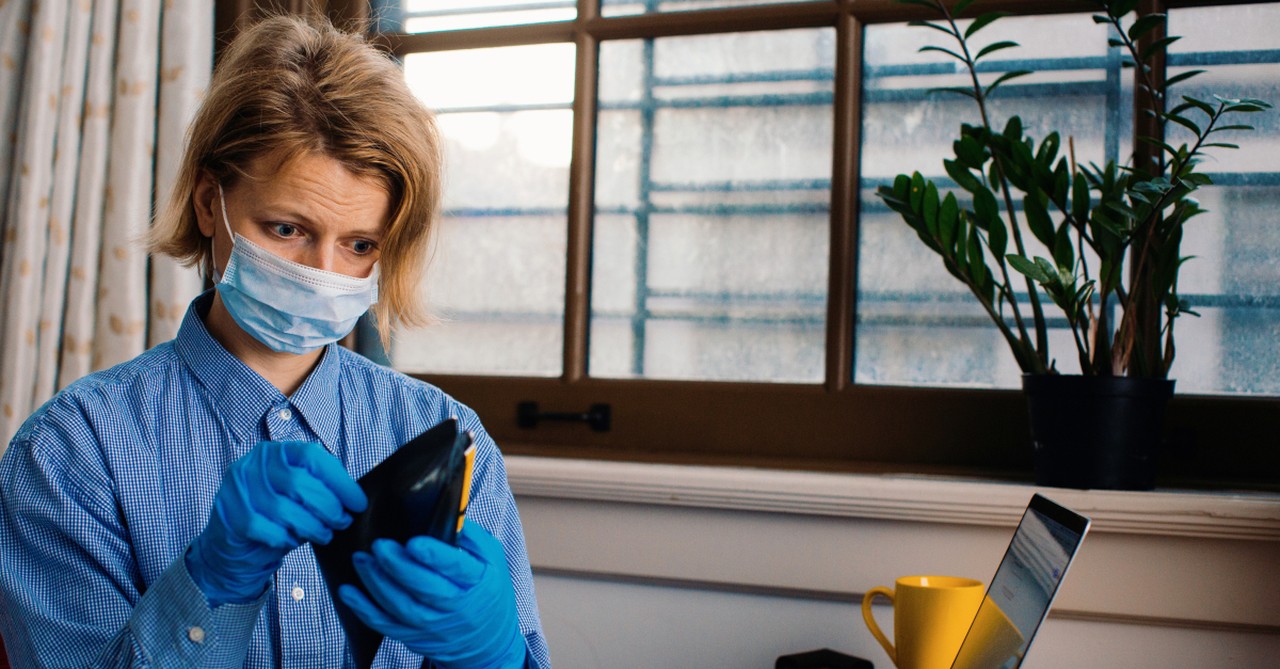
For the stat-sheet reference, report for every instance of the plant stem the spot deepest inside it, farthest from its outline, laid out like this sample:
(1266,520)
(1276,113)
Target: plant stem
(1042,337)
(1123,355)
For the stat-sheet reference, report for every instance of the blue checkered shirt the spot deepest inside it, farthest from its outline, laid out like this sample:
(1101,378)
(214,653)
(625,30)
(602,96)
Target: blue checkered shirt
(106,485)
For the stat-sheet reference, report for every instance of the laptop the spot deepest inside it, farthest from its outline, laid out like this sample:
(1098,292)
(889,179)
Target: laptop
(1026,582)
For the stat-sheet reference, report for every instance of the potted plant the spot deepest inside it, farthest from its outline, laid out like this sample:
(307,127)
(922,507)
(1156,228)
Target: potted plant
(1028,221)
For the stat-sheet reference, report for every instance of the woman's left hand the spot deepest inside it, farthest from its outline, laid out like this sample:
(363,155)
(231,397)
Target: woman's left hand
(454,605)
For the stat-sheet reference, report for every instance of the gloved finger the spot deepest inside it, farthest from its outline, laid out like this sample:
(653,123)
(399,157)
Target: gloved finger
(419,579)
(329,470)
(303,487)
(390,597)
(369,613)
(256,528)
(477,541)
(452,562)
(292,516)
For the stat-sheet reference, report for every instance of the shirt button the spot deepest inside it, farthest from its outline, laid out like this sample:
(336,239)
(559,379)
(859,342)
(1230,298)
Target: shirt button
(285,414)
(196,634)
(297,593)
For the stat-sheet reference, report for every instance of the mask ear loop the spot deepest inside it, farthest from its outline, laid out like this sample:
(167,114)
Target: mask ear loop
(231,236)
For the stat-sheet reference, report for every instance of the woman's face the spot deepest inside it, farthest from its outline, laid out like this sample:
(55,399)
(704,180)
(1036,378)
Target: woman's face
(311,210)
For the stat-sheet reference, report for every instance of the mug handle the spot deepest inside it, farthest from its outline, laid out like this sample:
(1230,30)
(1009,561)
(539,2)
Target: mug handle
(871,620)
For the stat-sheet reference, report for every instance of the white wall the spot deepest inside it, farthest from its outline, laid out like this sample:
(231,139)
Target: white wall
(675,566)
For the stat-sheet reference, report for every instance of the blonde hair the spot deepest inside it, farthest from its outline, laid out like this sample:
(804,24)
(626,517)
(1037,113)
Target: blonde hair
(291,85)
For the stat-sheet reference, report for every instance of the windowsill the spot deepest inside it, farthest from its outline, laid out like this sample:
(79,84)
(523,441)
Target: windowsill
(880,492)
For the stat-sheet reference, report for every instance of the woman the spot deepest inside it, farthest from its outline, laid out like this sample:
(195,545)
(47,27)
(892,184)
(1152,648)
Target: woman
(161,512)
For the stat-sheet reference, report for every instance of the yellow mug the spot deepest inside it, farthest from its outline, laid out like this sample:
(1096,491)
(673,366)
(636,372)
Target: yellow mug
(931,615)
(995,640)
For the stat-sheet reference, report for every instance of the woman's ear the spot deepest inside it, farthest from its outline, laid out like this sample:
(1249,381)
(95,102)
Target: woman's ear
(205,200)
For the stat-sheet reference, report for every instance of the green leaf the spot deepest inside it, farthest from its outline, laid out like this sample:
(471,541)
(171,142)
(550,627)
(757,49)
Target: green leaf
(1038,219)
(949,52)
(1247,108)
(1013,129)
(1145,25)
(1099,18)
(1135,195)
(930,208)
(1184,123)
(948,219)
(1049,270)
(977,263)
(1048,150)
(992,48)
(997,237)
(1181,77)
(935,26)
(1248,101)
(970,152)
(902,187)
(1061,184)
(1232,127)
(961,175)
(984,207)
(1027,268)
(1064,252)
(983,21)
(1197,103)
(1221,145)
(1157,46)
(1080,198)
(1005,77)
(1197,179)
(1121,7)
(917,191)
(961,90)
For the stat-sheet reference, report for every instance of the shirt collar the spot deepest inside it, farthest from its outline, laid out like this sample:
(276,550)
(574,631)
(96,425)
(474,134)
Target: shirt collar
(243,395)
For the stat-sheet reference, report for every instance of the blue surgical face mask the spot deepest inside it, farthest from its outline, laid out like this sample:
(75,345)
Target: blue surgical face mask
(290,307)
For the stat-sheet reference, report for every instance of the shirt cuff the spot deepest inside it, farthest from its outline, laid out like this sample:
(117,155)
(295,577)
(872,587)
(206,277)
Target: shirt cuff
(174,626)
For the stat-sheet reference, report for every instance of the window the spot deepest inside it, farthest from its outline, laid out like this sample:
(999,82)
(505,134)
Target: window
(668,207)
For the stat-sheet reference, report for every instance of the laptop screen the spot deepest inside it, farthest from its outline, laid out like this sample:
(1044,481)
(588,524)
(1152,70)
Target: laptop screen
(1024,586)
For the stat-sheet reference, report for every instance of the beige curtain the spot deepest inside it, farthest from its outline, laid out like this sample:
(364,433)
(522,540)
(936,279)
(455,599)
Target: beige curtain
(95,97)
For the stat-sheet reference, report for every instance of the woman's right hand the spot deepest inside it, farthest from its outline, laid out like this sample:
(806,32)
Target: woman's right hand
(278,496)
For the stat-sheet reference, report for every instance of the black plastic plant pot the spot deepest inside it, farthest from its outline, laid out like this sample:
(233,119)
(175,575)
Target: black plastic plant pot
(1094,432)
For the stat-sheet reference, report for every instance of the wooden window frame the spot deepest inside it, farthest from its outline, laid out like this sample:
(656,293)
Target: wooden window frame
(1215,442)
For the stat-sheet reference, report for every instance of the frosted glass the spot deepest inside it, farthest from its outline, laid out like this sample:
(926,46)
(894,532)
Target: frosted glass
(496,276)
(1234,279)
(436,15)
(630,7)
(712,196)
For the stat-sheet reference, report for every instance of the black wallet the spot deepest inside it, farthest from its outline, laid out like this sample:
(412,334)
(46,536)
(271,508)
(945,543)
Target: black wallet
(823,658)
(421,489)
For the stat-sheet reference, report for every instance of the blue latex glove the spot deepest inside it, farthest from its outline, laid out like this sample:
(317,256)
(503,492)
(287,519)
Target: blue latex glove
(454,605)
(278,496)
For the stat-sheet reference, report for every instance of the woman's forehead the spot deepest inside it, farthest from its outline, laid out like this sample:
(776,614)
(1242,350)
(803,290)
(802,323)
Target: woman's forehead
(316,187)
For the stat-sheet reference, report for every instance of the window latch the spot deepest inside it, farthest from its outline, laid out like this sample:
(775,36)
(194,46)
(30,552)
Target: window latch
(598,416)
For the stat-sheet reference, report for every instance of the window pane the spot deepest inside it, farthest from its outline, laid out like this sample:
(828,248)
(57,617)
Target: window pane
(419,16)
(625,7)
(916,323)
(496,277)
(1232,279)
(712,198)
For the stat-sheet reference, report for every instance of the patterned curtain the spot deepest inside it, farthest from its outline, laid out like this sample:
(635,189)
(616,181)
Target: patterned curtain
(95,97)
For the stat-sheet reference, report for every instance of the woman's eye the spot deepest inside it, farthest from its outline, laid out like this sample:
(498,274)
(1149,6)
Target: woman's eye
(284,229)
(362,247)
